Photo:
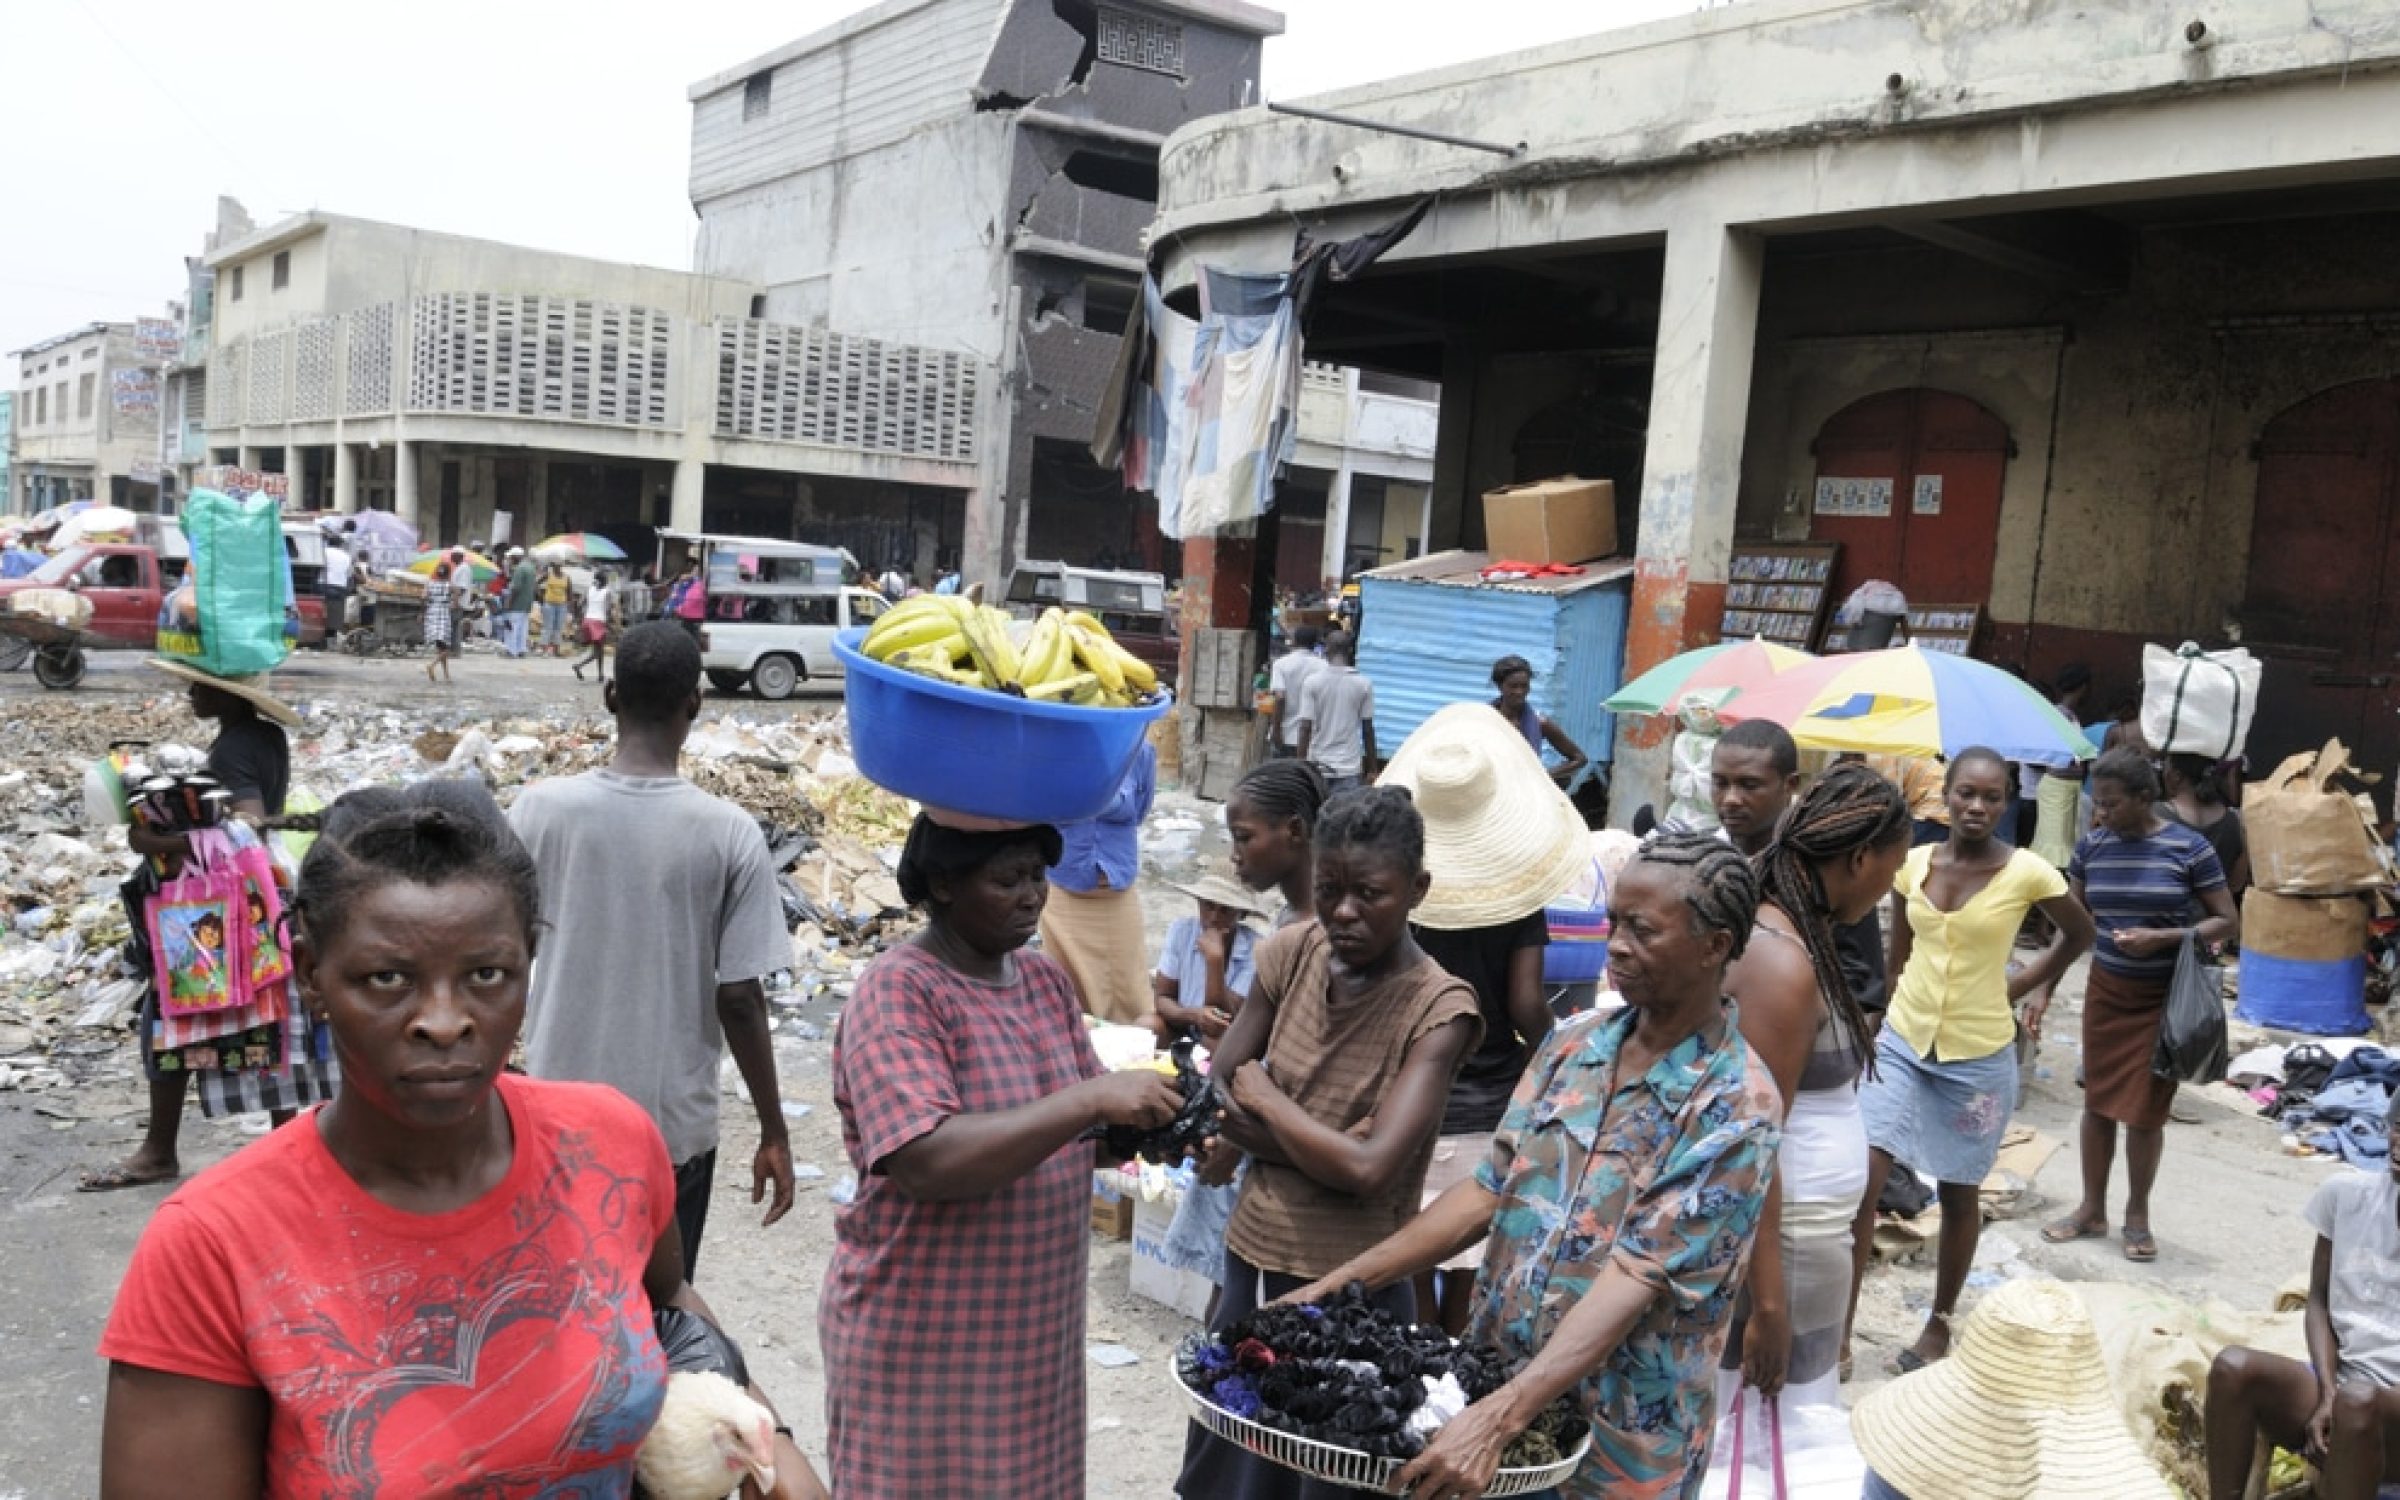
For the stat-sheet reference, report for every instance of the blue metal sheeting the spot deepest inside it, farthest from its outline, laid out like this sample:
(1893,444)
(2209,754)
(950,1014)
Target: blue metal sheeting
(1429,633)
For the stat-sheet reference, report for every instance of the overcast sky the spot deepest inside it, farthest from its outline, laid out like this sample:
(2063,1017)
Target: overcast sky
(554,126)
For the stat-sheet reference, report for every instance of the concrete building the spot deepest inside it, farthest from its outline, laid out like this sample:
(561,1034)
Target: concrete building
(87,420)
(2102,294)
(456,379)
(974,176)
(8,450)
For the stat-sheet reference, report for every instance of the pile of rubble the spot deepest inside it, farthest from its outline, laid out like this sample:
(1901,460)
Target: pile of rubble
(67,1002)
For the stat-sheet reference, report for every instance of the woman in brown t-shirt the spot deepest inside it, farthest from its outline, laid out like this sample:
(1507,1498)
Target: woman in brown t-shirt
(1337,1069)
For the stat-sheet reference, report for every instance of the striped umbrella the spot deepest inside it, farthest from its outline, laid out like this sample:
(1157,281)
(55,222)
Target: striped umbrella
(1911,701)
(480,570)
(1718,671)
(588,545)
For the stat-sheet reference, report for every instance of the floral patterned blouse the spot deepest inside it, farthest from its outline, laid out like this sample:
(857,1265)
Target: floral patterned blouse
(1662,1175)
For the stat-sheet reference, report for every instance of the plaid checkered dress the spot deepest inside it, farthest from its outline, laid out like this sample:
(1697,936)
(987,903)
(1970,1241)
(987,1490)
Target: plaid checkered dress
(953,1332)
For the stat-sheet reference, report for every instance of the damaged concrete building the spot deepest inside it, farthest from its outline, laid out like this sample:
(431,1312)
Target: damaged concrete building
(974,176)
(2082,319)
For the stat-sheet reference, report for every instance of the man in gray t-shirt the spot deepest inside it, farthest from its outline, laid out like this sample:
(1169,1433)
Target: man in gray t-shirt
(1337,719)
(661,918)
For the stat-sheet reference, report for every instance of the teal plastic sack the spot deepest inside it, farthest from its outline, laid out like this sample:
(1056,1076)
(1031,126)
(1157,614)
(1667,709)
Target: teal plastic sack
(227,619)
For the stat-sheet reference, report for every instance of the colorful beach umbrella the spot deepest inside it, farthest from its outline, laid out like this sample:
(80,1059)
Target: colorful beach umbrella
(481,570)
(588,545)
(1718,671)
(1912,701)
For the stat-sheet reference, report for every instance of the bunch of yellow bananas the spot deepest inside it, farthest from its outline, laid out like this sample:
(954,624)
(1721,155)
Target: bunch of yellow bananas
(1069,658)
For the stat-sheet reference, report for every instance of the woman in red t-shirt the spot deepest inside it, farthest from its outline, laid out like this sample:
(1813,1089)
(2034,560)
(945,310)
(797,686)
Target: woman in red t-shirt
(444,1281)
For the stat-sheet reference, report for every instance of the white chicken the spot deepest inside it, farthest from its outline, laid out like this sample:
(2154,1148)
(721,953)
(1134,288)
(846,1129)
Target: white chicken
(709,1437)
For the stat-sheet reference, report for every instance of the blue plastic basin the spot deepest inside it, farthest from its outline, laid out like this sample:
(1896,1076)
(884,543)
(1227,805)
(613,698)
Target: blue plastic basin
(985,753)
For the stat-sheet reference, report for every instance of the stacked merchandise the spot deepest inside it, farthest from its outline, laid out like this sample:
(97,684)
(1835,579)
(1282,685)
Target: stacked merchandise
(2317,865)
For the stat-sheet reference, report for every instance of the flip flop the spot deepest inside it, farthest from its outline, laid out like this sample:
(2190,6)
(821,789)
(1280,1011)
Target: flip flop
(111,1179)
(2066,1231)
(1906,1362)
(2141,1246)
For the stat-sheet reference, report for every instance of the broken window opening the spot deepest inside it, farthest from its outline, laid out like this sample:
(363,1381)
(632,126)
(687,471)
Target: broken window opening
(1085,18)
(1124,176)
(1108,303)
(758,96)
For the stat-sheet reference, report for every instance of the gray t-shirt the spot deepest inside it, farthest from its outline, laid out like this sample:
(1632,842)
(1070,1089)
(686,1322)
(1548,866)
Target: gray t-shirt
(2360,1213)
(1336,702)
(1294,671)
(653,894)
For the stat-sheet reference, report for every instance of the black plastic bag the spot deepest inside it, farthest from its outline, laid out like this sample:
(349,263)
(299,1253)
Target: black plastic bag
(2193,1040)
(694,1343)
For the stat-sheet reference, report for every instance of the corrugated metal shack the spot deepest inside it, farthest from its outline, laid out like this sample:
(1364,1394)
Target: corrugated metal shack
(1430,629)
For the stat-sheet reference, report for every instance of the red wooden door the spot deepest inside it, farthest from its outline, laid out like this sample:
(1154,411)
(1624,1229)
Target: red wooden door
(2322,608)
(1909,483)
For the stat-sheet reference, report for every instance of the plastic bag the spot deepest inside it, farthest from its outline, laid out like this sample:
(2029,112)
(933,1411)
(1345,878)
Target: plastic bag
(2197,702)
(233,624)
(1874,597)
(694,1343)
(2193,1040)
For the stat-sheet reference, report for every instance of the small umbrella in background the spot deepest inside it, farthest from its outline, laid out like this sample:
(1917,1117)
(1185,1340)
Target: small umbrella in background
(1911,701)
(588,545)
(1718,672)
(381,528)
(480,570)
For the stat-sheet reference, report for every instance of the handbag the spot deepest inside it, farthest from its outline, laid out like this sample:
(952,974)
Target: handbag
(199,942)
(266,959)
(2194,1042)
(1741,1413)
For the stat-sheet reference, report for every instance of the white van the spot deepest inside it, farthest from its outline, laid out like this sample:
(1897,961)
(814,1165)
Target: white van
(773,608)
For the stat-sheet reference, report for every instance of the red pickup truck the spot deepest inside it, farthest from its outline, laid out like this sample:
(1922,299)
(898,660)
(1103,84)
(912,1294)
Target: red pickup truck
(127,586)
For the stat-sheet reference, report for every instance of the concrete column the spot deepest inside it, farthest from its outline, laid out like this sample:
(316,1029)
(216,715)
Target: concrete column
(404,487)
(1337,522)
(684,500)
(345,479)
(1691,474)
(537,502)
(246,457)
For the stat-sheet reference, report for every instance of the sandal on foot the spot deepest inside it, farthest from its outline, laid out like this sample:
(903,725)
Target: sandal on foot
(2069,1229)
(2140,1246)
(111,1179)
(1906,1362)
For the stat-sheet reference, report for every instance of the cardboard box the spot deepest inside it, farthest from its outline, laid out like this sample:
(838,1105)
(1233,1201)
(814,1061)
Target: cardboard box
(1187,1292)
(2303,927)
(2307,835)
(1563,520)
(1112,1218)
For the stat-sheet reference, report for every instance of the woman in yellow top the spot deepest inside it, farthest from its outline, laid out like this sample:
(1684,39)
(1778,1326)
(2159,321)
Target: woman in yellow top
(1945,1078)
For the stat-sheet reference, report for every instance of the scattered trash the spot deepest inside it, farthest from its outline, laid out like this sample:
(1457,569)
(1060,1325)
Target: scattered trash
(1113,1356)
(792,1111)
(844,1192)
(808,1172)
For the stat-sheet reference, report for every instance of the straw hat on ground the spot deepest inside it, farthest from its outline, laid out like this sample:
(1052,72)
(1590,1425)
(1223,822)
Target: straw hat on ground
(1219,888)
(1501,840)
(2022,1410)
(254,689)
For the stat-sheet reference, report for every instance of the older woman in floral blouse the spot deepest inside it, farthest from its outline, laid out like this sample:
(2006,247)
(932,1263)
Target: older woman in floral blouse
(1621,1197)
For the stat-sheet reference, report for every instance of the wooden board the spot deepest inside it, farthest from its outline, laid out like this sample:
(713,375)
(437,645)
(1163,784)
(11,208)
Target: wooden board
(1778,591)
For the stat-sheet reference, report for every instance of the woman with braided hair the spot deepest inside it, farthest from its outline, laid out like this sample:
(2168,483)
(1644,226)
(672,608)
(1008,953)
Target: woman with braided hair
(1829,863)
(1946,1065)
(1620,1198)
(1271,819)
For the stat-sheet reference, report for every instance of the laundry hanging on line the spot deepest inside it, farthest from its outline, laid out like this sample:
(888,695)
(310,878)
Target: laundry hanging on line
(1204,413)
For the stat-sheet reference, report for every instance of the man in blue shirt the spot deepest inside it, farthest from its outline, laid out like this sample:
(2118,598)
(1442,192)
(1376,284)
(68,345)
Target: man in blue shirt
(1092,923)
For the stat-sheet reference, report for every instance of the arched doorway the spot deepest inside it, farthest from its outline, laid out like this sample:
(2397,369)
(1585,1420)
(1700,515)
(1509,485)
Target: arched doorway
(1909,483)
(2322,606)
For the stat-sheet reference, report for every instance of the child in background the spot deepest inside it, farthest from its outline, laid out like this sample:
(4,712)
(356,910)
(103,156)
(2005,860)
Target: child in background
(1204,968)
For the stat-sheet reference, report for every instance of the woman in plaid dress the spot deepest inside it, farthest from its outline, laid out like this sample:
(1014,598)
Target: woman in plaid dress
(953,1314)
(440,601)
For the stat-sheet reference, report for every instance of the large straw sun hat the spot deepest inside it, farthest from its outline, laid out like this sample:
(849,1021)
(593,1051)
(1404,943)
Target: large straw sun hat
(1501,840)
(255,689)
(1218,888)
(2020,1411)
